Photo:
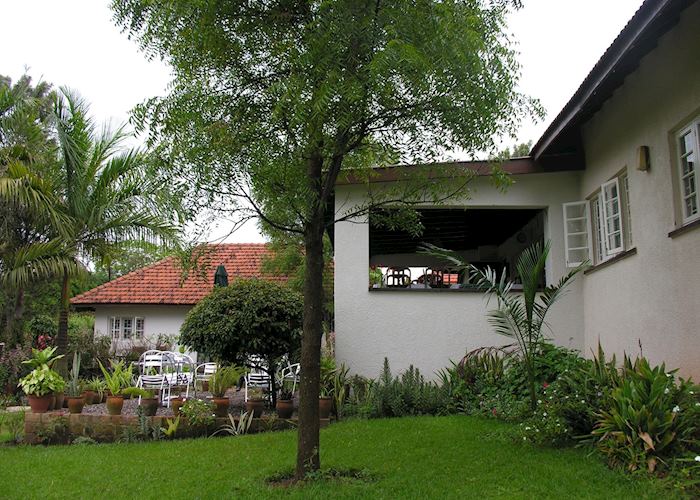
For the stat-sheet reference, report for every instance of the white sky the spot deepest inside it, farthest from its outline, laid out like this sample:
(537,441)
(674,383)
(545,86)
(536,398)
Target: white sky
(75,43)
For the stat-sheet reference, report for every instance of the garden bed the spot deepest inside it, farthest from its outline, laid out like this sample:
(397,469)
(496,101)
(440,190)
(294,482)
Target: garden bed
(60,427)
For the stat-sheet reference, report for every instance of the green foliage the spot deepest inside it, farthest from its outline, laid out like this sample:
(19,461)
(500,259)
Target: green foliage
(328,371)
(650,418)
(136,392)
(43,358)
(98,385)
(74,386)
(224,378)
(522,316)
(41,325)
(403,395)
(41,381)
(12,367)
(120,377)
(199,413)
(249,317)
(236,427)
(173,425)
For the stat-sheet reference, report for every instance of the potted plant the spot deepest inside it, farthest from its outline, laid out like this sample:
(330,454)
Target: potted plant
(220,381)
(255,403)
(149,399)
(285,401)
(325,401)
(199,415)
(98,388)
(58,394)
(115,384)
(41,383)
(39,386)
(75,400)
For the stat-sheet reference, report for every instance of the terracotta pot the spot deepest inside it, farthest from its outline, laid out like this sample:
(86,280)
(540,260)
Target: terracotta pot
(52,402)
(149,405)
(75,405)
(60,399)
(176,404)
(220,406)
(324,407)
(255,406)
(115,404)
(40,404)
(285,408)
(90,397)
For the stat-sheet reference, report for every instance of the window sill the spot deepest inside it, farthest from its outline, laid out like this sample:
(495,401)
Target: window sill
(688,226)
(617,258)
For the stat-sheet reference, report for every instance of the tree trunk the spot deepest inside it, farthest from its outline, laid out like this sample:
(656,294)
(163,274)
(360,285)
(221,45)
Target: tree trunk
(62,336)
(17,315)
(308,458)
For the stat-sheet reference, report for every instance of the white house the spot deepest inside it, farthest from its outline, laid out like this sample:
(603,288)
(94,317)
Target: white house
(613,180)
(141,306)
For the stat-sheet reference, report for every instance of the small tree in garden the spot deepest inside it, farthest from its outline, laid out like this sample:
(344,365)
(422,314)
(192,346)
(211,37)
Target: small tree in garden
(248,318)
(520,316)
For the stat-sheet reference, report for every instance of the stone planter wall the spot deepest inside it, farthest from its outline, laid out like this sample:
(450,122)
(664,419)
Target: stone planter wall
(64,428)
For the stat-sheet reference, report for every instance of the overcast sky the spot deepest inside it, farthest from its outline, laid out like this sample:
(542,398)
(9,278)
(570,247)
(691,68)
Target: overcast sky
(75,43)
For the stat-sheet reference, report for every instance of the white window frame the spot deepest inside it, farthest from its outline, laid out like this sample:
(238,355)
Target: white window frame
(604,210)
(139,330)
(694,131)
(115,327)
(118,329)
(570,251)
(612,212)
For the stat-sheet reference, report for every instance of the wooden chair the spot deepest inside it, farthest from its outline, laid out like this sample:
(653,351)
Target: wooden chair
(398,277)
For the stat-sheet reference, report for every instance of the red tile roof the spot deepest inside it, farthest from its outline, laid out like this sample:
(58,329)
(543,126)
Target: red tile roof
(160,283)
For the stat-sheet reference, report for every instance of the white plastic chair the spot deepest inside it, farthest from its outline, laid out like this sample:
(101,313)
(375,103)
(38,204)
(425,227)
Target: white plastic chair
(257,376)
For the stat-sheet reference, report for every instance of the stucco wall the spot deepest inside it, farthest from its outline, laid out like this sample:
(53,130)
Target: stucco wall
(159,319)
(652,297)
(428,329)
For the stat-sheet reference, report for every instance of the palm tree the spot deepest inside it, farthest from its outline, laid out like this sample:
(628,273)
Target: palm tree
(101,197)
(26,149)
(520,316)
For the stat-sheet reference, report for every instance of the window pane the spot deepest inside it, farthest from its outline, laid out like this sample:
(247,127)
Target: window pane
(128,325)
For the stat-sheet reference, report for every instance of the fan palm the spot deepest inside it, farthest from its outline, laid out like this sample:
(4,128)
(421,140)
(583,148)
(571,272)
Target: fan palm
(101,197)
(520,316)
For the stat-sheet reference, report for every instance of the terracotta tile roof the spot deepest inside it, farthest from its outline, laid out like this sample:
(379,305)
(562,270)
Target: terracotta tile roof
(159,283)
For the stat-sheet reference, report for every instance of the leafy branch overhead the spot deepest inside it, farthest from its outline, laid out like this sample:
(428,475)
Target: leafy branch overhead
(268,89)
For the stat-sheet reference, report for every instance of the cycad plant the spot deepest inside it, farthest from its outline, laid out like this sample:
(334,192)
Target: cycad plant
(520,316)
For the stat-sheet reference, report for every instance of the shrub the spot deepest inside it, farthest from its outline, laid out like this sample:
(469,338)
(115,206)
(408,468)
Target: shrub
(198,413)
(389,396)
(249,317)
(650,418)
(41,325)
(12,368)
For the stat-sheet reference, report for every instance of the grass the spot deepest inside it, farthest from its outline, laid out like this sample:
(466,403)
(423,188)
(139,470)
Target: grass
(435,457)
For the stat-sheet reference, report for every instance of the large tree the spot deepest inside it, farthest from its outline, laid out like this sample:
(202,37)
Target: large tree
(273,99)
(98,198)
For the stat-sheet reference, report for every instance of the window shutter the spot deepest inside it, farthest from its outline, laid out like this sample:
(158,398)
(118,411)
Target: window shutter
(577,233)
(612,217)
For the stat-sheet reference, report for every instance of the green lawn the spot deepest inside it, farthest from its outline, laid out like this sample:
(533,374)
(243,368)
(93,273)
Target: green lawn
(425,457)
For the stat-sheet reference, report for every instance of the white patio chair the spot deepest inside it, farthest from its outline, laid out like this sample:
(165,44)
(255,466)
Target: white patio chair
(184,371)
(291,373)
(258,379)
(155,374)
(204,371)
